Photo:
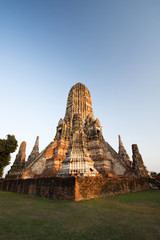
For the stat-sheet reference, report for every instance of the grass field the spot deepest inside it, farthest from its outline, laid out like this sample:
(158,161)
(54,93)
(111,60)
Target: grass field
(134,216)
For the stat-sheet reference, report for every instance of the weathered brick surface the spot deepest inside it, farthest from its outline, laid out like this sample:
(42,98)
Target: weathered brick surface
(74,188)
(87,188)
(123,153)
(19,163)
(55,188)
(138,164)
(34,154)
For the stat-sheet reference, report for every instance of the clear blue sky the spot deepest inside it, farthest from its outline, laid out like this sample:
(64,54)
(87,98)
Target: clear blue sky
(113,47)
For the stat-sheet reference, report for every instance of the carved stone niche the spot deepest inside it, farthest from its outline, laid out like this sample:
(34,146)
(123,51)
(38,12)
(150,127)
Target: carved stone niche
(92,127)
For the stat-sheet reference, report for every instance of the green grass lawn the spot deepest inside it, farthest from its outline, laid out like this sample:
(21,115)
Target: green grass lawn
(134,216)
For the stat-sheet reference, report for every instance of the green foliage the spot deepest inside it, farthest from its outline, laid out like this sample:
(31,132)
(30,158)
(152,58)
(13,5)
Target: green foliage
(7,146)
(153,174)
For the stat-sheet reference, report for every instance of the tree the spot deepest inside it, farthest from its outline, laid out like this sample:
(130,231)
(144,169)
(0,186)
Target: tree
(153,174)
(7,146)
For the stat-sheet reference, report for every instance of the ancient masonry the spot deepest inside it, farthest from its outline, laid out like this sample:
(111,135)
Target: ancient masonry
(79,148)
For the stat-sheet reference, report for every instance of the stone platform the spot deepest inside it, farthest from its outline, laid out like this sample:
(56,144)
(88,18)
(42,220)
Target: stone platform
(75,188)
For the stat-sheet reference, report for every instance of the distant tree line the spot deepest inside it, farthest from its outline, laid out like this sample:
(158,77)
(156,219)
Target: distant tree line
(153,174)
(7,146)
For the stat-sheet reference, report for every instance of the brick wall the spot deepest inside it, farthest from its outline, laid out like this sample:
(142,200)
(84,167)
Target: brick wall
(74,188)
(94,187)
(56,188)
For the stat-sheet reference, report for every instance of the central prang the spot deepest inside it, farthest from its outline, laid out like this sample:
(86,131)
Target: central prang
(80,122)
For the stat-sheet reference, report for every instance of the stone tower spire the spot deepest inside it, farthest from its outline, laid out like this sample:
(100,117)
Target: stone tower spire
(34,153)
(122,152)
(138,165)
(19,163)
(20,158)
(85,154)
(79,102)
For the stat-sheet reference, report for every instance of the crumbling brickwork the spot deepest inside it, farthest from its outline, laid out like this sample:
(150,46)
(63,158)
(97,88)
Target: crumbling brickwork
(95,187)
(19,163)
(55,188)
(34,154)
(74,188)
(138,165)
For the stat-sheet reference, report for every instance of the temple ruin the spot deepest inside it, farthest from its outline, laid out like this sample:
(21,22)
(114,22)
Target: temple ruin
(79,149)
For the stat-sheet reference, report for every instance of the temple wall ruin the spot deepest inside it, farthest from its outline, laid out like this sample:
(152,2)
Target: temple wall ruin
(55,188)
(78,149)
(78,164)
(95,187)
(75,188)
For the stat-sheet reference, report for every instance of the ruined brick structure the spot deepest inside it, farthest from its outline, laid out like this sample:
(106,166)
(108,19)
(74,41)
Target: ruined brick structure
(34,154)
(138,165)
(79,148)
(19,163)
(75,188)
(122,152)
